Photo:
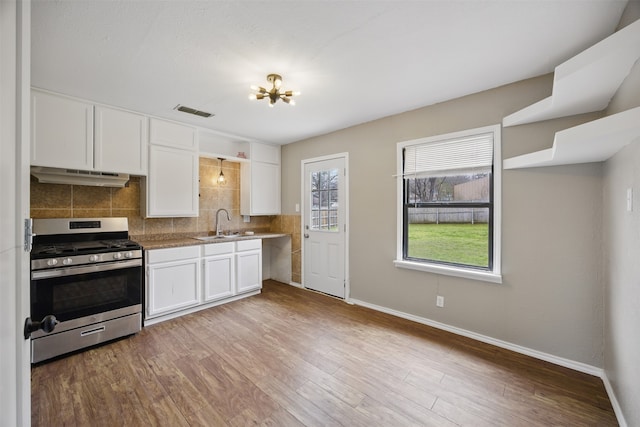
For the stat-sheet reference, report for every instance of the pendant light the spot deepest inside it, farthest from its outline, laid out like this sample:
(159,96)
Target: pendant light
(221,178)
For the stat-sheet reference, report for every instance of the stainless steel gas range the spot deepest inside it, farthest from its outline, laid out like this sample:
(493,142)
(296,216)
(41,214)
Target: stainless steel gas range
(86,284)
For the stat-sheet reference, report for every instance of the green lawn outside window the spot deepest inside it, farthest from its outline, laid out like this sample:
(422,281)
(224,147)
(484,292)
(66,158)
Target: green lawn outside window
(452,243)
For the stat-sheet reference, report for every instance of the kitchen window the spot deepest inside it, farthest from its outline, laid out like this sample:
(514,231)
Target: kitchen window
(449,204)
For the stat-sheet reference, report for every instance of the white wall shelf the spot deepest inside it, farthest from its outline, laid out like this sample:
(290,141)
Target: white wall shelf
(593,141)
(215,145)
(588,81)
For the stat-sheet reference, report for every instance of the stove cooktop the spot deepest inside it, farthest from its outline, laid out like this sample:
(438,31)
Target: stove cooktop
(81,248)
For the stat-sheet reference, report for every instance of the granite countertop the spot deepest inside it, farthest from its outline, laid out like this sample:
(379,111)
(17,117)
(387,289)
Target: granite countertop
(177,240)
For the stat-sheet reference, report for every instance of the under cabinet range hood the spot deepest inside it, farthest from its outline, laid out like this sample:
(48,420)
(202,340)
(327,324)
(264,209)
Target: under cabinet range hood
(79,177)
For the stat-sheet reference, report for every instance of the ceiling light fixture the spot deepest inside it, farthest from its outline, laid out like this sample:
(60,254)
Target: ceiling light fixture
(275,93)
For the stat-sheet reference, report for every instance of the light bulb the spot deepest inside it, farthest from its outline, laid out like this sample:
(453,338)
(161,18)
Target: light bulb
(221,178)
(252,96)
(292,102)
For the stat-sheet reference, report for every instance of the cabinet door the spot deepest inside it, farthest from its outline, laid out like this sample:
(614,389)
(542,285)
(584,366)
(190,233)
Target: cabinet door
(120,141)
(259,188)
(172,287)
(219,277)
(265,153)
(61,132)
(249,270)
(265,188)
(173,134)
(172,183)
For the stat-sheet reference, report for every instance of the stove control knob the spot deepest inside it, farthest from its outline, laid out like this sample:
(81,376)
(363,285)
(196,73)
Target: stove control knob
(94,258)
(117,255)
(52,262)
(128,254)
(67,261)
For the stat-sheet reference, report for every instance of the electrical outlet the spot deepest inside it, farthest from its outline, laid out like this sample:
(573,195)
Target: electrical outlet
(439,301)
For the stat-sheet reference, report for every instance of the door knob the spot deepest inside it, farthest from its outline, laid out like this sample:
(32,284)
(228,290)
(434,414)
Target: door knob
(47,324)
(306,236)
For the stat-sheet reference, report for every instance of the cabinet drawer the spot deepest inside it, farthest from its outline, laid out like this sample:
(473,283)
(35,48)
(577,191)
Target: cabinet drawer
(218,249)
(172,254)
(247,245)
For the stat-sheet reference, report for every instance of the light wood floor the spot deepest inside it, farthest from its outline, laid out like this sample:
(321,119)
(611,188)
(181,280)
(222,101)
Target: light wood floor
(290,357)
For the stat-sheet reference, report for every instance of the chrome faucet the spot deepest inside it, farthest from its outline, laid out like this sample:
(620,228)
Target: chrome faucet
(218,229)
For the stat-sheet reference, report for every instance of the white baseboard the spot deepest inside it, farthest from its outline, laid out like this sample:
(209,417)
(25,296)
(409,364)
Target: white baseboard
(567,363)
(296,284)
(614,401)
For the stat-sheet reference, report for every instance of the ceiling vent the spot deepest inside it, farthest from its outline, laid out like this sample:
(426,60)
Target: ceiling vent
(193,111)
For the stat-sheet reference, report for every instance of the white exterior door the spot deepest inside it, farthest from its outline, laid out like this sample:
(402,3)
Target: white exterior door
(324,225)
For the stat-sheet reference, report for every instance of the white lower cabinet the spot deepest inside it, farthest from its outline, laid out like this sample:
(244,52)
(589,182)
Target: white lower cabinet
(219,274)
(173,280)
(185,279)
(249,265)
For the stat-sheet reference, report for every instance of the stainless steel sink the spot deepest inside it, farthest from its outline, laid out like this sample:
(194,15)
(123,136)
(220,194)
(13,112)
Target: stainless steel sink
(210,238)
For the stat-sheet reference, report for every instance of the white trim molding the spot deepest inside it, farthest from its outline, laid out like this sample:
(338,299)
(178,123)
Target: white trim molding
(617,409)
(347,274)
(495,275)
(561,361)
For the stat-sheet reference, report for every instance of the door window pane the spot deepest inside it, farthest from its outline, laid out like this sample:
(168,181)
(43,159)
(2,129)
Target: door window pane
(324,200)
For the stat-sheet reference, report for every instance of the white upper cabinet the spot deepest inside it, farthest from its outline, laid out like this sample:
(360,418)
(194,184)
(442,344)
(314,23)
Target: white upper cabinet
(265,153)
(172,183)
(260,181)
(120,141)
(173,134)
(172,188)
(61,132)
(73,134)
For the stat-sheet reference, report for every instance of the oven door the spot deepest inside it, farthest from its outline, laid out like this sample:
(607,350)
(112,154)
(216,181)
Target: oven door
(86,291)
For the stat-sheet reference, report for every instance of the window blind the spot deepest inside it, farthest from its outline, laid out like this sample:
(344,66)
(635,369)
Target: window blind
(470,153)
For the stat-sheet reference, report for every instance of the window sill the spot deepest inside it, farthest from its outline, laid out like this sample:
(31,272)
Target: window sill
(485,276)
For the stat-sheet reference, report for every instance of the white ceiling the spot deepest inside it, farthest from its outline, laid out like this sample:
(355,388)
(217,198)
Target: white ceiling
(353,61)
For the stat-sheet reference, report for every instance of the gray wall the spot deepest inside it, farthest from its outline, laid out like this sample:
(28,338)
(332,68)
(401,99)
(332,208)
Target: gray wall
(551,297)
(622,256)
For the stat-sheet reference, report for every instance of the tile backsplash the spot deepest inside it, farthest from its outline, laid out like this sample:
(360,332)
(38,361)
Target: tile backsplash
(79,201)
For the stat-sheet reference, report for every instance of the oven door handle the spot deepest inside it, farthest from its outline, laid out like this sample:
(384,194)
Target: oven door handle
(93,268)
